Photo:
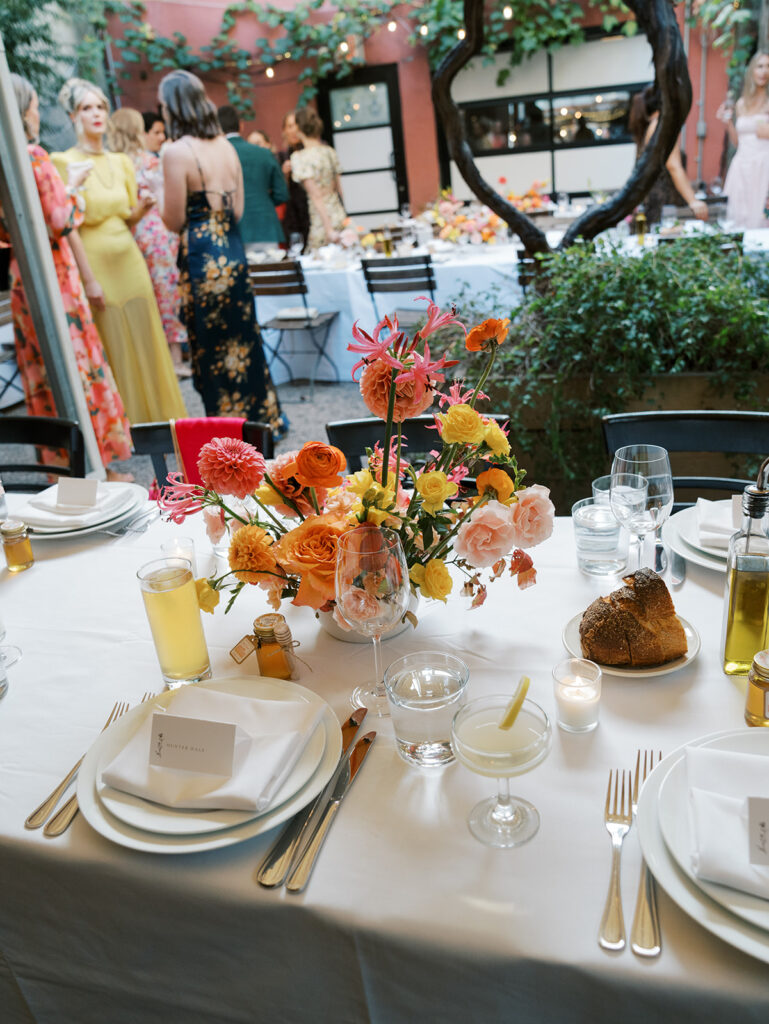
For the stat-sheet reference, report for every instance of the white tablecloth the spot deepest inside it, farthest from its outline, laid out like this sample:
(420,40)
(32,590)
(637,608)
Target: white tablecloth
(406,917)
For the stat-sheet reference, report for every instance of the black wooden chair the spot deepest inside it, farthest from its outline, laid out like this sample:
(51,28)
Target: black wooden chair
(156,440)
(287,278)
(352,437)
(400,274)
(10,377)
(48,432)
(693,431)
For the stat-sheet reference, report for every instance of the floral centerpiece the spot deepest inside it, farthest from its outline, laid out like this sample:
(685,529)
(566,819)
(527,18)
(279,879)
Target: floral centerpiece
(534,198)
(453,221)
(285,516)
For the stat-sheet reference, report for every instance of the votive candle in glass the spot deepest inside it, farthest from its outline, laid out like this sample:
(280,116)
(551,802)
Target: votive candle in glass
(577,685)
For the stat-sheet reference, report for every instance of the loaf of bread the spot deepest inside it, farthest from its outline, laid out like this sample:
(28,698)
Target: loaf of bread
(635,625)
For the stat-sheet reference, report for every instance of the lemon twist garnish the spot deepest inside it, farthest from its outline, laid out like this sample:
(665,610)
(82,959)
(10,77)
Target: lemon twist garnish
(511,712)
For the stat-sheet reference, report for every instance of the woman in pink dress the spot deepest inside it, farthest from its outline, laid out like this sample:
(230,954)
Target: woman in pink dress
(747,182)
(159,246)
(62,216)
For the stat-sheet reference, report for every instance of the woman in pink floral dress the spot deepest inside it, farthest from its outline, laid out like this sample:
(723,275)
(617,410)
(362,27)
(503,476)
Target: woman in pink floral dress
(62,216)
(158,245)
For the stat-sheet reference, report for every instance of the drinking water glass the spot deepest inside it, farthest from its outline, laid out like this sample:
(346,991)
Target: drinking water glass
(651,462)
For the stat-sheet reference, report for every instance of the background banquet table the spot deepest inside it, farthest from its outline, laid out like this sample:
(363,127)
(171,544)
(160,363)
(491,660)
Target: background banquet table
(406,917)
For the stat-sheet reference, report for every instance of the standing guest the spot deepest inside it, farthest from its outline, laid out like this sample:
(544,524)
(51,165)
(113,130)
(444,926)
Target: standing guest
(747,181)
(316,166)
(260,138)
(672,187)
(154,131)
(129,322)
(159,246)
(263,185)
(203,186)
(296,220)
(62,215)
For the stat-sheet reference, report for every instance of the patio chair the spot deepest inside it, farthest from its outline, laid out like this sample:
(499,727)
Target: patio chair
(693,431)
(157,441)
(10,377)
(352,437)
(43,432)
(287,278)
(400,274)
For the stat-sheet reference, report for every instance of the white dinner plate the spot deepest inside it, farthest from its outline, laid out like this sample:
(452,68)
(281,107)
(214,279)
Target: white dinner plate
(140,496)
(690,897)
(175,821)
(673,539)
(688,530)
(117,831)
(676,831)
(571,642)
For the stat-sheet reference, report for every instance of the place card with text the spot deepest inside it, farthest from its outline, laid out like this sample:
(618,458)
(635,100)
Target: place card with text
(74,492)
(192,744)
(758,829)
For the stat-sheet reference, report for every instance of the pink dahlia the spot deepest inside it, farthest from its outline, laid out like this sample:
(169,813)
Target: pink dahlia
(228,465)
(412,397)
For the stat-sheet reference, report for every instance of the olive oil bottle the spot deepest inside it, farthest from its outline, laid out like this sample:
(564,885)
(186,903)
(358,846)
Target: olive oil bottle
(746,602)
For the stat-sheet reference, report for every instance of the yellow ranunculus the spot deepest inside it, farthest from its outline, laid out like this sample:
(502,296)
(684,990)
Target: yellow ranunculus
(462,424)
(432,579)
(208,598)
(435,487)
(495,438)
(376,515)
(360,482)
(268,496)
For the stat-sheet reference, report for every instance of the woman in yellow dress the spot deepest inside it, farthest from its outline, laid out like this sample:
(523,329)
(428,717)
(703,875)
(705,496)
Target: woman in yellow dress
(123,304)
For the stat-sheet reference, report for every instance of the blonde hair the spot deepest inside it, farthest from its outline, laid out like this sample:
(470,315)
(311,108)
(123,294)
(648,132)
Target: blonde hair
(73,93)
(749,87)
(125,130)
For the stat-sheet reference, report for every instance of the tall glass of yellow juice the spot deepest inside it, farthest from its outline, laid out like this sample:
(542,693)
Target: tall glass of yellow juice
(171,603)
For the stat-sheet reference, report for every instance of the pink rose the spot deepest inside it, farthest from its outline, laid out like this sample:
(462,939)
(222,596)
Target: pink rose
(340,620)
(532,516)
(358,606)
(214,519)
(486,536)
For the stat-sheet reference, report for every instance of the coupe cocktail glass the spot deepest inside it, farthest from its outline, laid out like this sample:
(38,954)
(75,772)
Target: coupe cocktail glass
(483,747)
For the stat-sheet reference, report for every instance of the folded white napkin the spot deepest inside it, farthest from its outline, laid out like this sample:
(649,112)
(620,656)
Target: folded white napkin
(717,521)
(297,313)
(719,783)
(270,739)
(43,511)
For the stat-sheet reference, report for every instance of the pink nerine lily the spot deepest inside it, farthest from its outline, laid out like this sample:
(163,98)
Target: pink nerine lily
(436,319)
(178,500)
(457,396)
(422,370)
(372,346)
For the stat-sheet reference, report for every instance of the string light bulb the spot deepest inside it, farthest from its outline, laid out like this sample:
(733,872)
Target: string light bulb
(343,46)
(507,13)
(423,30)
(391,26)
(461,34)
(270,72)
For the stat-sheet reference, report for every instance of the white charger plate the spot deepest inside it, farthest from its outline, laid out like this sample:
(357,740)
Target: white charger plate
(676,827)
(139,497)
(672,538)
(152,817)
(571,642)
(688,531)
(679,887)
(117,831)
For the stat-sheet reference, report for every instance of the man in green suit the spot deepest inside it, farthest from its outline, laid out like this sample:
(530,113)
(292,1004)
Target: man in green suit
(263,183)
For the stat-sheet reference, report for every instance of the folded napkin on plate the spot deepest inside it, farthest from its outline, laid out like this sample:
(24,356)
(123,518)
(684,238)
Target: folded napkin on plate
(270,739)
(719,784)
(42,510)
(718,520)
(297,313)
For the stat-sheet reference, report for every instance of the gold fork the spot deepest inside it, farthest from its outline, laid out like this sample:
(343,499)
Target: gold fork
(618,817)
(645,937)
(61,821)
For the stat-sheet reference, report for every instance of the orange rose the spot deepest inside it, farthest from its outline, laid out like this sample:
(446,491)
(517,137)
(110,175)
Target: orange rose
(309,551)
(252,554)
(318,465)
(480,337)
(498,482)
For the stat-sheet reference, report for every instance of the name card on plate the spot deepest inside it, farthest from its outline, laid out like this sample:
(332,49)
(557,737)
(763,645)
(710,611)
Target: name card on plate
(192,744)
(73,491)
(758,829)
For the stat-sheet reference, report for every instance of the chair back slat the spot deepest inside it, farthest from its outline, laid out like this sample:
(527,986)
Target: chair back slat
(50,432)
(283,278)
(5,309)
(399,274)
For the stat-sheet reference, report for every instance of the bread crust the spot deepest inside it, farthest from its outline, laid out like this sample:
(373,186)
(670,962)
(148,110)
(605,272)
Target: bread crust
(635,625)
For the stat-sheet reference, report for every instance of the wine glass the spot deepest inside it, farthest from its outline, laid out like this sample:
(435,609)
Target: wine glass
(652,462)
(372,594)
(295,245)
(628,493)
(502,821)
(8,653)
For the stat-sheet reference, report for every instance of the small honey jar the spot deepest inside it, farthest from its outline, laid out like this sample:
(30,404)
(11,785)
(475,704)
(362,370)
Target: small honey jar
(757,696)
(269,653)
(16,545)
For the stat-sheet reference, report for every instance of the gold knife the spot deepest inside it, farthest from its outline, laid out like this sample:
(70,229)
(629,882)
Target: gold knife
(275,866)
(300,875)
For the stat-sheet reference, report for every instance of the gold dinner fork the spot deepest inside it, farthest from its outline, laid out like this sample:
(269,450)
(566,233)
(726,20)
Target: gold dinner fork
(617,817)
(63,818)
(645,937)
